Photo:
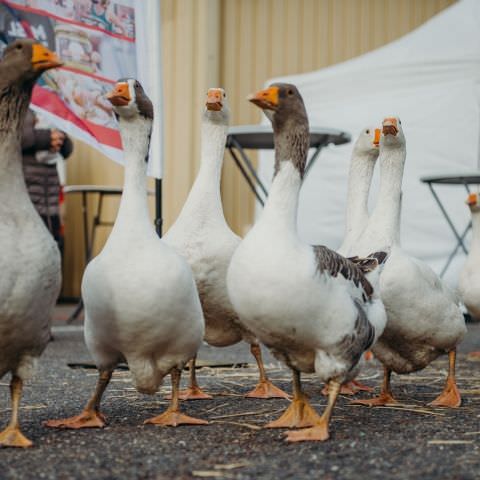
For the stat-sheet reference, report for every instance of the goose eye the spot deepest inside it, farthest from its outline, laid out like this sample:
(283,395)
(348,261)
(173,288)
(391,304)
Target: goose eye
(290,92)
(367,132)
(19,47)
(224,95)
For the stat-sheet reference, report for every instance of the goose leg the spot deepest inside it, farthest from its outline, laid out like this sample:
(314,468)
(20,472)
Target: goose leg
(300,413)
(91,417)
(450,397)
(12,436)
(265,388)
(385,397)
(319,431)
(172,416)
(193,392)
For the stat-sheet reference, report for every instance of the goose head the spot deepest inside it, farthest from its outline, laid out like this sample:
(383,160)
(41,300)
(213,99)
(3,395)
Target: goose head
(473,202)
(24,61)
(392,132)
(368,142)
(216,107)
(130,101)
(282,104)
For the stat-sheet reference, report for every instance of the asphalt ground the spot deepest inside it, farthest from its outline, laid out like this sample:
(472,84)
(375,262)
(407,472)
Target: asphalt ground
(406,441)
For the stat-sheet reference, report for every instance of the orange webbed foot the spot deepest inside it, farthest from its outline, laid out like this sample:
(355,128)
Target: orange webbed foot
(381,400)
(191,393)
(299,414)
(317,433)
(474,356)
(173,418)
(87,419)
(266,389)
(450,397)
(13,437)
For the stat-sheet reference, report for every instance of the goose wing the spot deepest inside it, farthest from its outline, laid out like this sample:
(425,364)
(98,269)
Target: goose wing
(335,264)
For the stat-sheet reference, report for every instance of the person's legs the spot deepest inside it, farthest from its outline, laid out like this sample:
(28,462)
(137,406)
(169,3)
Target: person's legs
(52,222)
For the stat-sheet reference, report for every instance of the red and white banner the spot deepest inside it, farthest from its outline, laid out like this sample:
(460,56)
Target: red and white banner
(99,41)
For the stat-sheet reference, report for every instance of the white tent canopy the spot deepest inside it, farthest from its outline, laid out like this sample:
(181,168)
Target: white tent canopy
(430,78)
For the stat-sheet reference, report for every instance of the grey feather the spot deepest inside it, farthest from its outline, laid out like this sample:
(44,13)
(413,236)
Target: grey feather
(352,346)
(335,264)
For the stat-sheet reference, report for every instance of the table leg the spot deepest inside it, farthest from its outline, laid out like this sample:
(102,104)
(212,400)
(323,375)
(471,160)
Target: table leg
(245,175)
(79,307)
(312,160)
(452,255)
(447,218)
(249,165)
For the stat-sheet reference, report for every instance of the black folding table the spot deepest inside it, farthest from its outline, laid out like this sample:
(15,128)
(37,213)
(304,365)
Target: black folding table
(466,179)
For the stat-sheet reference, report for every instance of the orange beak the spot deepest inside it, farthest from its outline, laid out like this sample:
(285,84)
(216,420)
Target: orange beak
(390,126)
(43,58)
(265,99)
(120,95)
(376,139)
(214,99)
(472,199)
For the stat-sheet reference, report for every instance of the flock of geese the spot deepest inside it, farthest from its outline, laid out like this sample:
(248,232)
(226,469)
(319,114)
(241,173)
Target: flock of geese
(152,302)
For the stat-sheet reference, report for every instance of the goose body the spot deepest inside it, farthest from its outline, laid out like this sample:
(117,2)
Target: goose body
(30,261)
(141,303)
(31,275)
(424,319)
(299,311)
(469,281)
(309,305)
(202,235)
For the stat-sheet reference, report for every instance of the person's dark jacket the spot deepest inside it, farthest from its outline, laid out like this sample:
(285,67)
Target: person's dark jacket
(41,178)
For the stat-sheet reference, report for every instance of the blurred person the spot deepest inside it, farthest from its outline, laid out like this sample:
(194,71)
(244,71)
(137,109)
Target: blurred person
(42,149)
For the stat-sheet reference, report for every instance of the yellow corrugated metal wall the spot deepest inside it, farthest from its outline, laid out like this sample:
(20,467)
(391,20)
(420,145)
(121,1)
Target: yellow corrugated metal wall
(236,44)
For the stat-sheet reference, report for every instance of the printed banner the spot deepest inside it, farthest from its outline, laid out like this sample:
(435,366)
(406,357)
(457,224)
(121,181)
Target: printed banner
(97,42)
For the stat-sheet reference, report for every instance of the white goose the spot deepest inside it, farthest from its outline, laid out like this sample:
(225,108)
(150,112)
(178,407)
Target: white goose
(29,261)
(362,164)
(424,319)
(469,282)
(141,303)
(307,304)
(202,235)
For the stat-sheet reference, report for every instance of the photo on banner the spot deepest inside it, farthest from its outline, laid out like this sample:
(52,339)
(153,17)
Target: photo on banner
(97,42)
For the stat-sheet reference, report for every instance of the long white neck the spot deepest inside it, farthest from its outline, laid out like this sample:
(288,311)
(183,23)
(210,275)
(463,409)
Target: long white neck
(133,209)
(280,211)
(359,181)
(204,200)
(475,244)
(383,228)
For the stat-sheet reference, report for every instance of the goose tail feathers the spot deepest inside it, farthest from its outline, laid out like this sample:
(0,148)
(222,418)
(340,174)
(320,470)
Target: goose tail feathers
(372,266)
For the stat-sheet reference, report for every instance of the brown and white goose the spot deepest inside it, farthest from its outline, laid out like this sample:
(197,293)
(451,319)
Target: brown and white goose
(30,261)
(423,316)
(202,235)
(312,307)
